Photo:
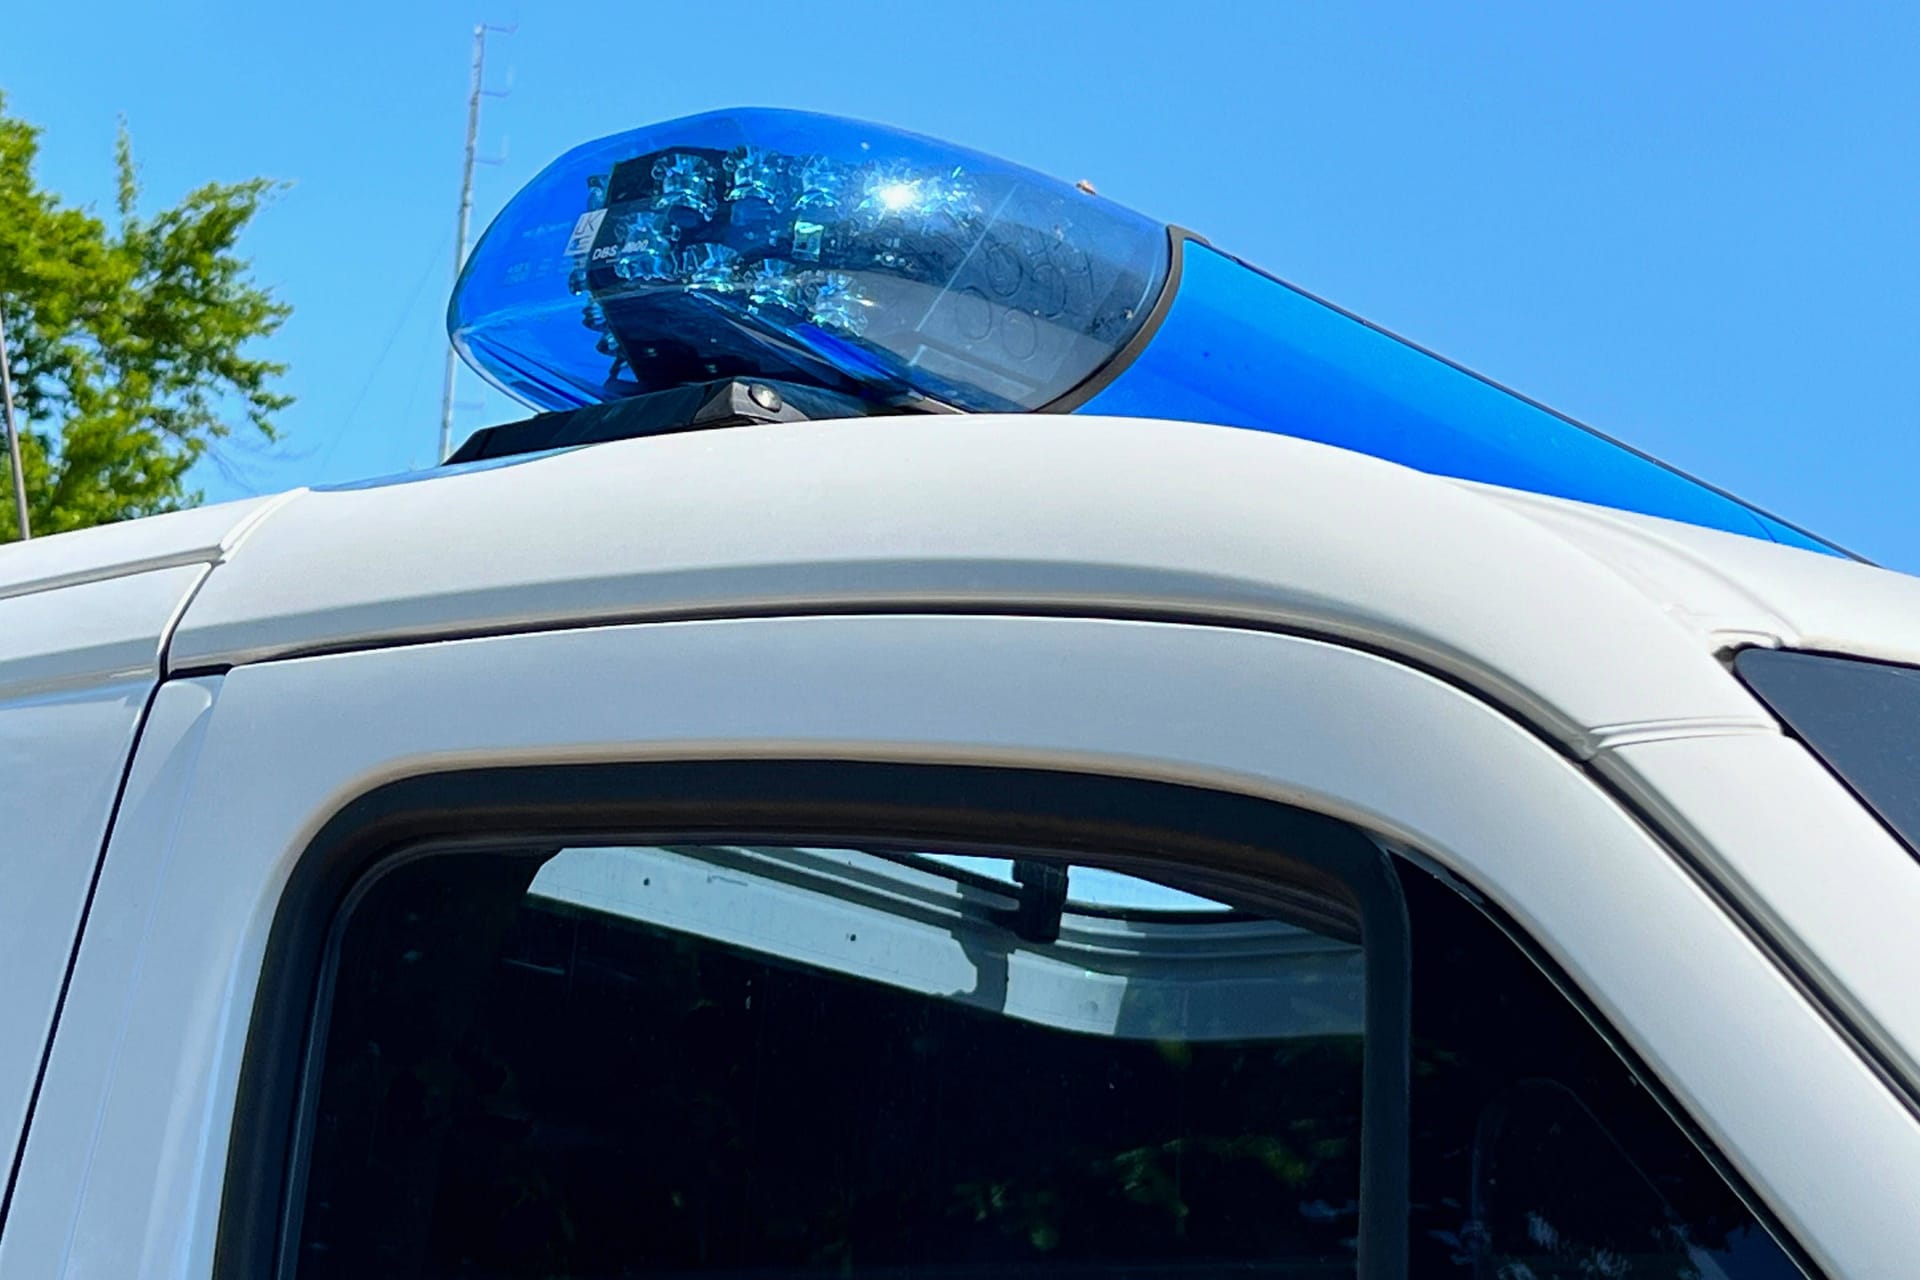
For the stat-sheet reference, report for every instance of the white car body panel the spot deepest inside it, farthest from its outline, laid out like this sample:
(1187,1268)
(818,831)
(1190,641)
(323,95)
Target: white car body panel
(123,1166)
(101,632)
(84,620)
(1800,855)
(1069,514)
(77,665)
(60,766)
(1735,590)
(195,537)
(1718,895)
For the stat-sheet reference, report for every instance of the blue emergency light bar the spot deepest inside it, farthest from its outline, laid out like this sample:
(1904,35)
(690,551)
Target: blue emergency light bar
(808,249)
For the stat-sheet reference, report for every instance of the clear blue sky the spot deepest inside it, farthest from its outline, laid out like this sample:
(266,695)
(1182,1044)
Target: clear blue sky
(1694,226)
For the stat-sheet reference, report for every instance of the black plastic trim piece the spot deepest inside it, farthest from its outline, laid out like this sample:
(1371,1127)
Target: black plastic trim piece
(1116,364)
(1749,666)
(703,406)
(1232,843)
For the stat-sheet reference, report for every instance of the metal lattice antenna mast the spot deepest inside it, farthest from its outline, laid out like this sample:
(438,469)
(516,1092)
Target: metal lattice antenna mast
(475,92)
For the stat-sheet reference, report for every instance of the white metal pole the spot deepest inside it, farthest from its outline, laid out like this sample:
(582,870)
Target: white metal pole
(13,437)
(466,220)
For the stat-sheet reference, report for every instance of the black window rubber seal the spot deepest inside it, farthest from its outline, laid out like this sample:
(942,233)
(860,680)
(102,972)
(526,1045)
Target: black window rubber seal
(1226,841)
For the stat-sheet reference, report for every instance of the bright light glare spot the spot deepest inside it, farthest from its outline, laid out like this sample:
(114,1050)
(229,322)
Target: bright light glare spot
(896,196)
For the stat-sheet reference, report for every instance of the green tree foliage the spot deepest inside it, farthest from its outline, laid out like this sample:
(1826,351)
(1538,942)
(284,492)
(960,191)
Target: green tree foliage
(129,342)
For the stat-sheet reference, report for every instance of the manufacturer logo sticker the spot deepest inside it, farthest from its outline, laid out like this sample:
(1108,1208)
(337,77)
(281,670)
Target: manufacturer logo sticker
(584,232)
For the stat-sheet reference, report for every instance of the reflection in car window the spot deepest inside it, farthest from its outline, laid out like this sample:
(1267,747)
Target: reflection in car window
(814,1062)
(809,1062)
(1092,886)
(1536,1155)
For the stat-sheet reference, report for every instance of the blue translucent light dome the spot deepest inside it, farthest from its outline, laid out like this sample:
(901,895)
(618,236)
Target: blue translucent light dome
(803,248)
(780,244)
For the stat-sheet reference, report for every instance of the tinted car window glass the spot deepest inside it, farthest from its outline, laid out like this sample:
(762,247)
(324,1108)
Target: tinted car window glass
(780,1061)
(747,1061)
(1536,1154)
(1862,718)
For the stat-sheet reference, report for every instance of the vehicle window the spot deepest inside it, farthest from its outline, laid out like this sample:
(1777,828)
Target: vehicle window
(779,1061)
(1536,1154)
(1861,718)
(768,1060)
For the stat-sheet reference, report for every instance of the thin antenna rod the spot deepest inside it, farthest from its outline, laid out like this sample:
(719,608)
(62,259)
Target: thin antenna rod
(466,221)
(13,436)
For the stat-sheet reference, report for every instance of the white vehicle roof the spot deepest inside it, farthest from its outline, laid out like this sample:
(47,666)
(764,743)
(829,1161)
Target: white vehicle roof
(1597,626)
(79,610)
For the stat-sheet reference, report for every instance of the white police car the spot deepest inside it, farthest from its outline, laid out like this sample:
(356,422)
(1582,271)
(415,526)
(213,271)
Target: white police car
(920,845)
